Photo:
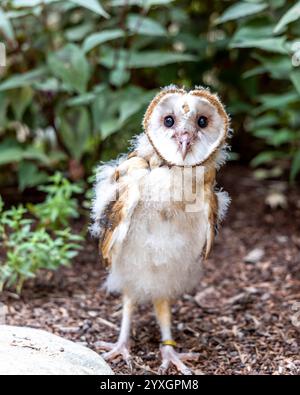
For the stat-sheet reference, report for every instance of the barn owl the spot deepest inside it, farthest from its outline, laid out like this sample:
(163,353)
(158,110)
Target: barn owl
(156,210)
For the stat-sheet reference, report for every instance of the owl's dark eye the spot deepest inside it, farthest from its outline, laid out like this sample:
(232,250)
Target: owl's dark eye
(202,122)
(169,121)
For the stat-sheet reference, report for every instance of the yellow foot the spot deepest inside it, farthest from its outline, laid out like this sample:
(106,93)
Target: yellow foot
(116,351)
(171,357)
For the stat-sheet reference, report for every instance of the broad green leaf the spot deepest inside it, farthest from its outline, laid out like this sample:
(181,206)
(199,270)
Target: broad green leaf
(35,153)
(147,26)
(279,66)
(253,30)
(255,71)
(295,78)
(31,3)
(275,137)
(129,108)
(78,33)
(141,3)
(50,84)
(109,127)
(272,101)
(145,59)
(276,102)
(74,128)
(119,77)
(71,66)
(20,80)
(99,38)
(6,26)
(240,10)
(276,3)
(295,168)
(10,155)
(81,100)
(275,45)
(92,5)
(4,102)
(263,121)
(20,99)
(266,157)
(290,16)
(29,175)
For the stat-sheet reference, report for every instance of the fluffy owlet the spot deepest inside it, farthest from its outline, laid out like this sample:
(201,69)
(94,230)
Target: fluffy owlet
(157,208)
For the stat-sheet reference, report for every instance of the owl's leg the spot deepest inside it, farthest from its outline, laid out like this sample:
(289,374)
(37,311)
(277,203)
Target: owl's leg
(122,347)
(169,355)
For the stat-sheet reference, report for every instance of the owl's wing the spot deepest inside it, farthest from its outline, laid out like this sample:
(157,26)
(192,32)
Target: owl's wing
(119,194)
(217,203)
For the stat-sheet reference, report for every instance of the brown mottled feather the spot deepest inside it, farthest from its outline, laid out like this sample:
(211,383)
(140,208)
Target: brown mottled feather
(212,201)
(115,211)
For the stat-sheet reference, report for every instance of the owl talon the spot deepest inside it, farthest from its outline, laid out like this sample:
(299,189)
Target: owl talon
(116,351)
(171,357)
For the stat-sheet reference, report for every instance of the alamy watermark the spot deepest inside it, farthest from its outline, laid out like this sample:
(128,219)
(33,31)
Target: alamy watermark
(296,54)
(3,312)
(184,185)
(295,318)
(2,55)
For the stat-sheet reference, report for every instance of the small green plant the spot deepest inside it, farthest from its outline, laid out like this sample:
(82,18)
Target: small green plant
(27,245)
(59,205)
(25,250)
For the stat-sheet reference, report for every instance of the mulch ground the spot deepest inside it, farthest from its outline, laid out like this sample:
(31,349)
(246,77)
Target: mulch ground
(244,318)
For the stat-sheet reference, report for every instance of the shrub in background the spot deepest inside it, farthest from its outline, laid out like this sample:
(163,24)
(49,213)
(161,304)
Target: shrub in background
(27,245)
(80,74)
(265,40)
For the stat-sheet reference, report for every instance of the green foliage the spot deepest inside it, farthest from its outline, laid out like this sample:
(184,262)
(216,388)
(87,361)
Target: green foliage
(60,205)
(71,81)
(80,74)
(25,248)
(268,41)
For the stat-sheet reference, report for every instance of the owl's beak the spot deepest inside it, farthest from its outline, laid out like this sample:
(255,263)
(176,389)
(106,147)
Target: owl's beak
(184,144)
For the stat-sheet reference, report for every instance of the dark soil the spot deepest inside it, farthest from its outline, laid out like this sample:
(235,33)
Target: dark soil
(244,318)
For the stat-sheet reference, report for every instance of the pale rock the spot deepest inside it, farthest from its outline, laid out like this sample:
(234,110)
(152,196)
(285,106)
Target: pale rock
(28,351)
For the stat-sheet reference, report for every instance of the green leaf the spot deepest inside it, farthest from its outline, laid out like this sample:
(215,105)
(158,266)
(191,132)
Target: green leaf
(71,66)
(31,3)
(6,26)
(277,102)
(35,153)
(263,121)
(119,77)
(92,5)
(99,38)
(20,99)
(75,129)
(278,66)
(145,59)
(295,168)
(10,154)
(241,10)
(147,26)
(49,84)
(295,78)
(29,175)
(20,80)
(78,33)
(267,44)
(275,137)
(265,157)
(253,30)
(292,15)
(81,100)
(4,102)
(141,3)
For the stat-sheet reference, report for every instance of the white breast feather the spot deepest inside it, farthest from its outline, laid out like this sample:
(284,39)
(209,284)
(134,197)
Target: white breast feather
(158,247)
